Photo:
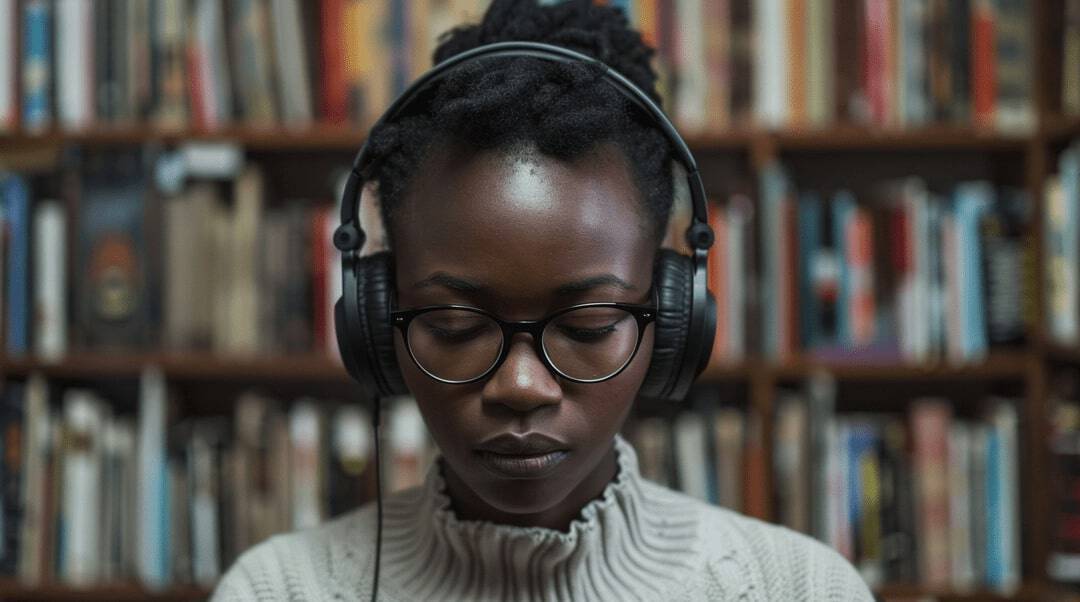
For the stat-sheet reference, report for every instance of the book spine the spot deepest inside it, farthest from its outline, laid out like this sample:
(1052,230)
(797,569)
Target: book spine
(37,66)
(17,211)
(50,303)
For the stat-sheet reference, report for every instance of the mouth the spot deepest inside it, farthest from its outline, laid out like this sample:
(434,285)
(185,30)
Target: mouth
(521,466)
(528,456)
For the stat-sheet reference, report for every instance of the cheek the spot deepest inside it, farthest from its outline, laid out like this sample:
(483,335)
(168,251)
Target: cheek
(441,405)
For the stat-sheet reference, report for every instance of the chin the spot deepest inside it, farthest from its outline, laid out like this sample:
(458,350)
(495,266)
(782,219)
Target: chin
(523,496)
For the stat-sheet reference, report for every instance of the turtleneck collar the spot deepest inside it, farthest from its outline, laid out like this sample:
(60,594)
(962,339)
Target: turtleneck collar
(634,540)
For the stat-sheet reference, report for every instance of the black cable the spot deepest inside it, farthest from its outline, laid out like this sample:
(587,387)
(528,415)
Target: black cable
(376,423)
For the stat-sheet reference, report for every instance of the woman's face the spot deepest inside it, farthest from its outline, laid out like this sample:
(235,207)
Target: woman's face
(520,236)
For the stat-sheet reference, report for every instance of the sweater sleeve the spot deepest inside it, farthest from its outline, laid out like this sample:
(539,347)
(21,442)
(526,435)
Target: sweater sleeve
(806,569)
(254,577)
(761,561)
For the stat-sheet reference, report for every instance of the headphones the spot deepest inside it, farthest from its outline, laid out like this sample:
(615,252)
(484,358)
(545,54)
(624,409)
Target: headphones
(686,311)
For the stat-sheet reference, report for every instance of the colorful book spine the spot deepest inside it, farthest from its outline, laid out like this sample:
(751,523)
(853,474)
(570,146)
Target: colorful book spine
(16,198)
(37,65)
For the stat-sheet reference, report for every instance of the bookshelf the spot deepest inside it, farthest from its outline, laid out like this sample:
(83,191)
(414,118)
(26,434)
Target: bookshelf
(1024,159)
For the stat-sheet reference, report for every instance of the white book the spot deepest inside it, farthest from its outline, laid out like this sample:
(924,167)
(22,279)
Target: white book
(203,463)
(50,305)
(81,503)
(74,63)
(407,441)
(691,95)
(37,434)
(306,432)
(9,34)
(690,455)
(291,54)
(244,282)
(153,532)
(771,103)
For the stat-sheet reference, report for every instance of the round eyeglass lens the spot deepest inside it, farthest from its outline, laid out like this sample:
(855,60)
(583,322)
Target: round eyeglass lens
(591,343)
(454,345)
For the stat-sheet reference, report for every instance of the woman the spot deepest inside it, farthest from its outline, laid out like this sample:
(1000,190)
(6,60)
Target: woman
(523,188)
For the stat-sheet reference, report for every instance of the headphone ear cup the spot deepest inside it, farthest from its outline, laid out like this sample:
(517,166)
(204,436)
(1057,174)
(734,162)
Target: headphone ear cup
(373,343)
(673,280)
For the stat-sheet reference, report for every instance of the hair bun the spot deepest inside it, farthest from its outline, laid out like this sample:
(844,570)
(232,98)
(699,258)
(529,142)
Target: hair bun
(598,31)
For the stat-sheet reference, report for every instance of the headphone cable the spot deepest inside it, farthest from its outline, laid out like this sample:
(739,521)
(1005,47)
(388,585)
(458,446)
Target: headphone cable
(376,423)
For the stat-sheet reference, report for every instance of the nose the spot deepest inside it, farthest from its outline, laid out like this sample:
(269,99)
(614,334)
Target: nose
(522,383)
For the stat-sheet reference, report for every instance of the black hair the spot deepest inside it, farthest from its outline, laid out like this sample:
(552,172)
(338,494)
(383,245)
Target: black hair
(562,110)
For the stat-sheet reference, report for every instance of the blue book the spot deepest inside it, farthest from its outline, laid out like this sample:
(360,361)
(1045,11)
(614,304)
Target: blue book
(862,442)
(774,188)
(37,65)
(399,37)
(15,196)
(995,519)
(810,309)
(843,209)
(973,200)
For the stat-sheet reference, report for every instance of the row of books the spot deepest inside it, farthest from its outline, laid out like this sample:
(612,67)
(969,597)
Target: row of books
(206,64)
(711,453)
(96,494)
(795,63)
(210,266)
(174,63)
(930,498)
(902,273)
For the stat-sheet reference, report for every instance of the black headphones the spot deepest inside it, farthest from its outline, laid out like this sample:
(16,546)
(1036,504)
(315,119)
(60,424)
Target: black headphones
(686,311)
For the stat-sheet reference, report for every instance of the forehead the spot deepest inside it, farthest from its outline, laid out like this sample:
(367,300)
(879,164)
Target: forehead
(522,223)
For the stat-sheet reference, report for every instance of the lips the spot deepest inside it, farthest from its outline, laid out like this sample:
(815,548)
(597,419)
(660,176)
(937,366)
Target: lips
(515,456)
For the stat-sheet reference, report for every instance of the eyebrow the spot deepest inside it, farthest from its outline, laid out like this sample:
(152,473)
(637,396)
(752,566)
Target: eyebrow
(578,286)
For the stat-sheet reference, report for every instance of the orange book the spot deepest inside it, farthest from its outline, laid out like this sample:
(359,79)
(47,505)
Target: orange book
(335,94)
(983,67)
(861,262)
(718,277)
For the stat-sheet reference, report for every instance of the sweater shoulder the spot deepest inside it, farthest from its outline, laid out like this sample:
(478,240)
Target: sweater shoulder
(746,556)
(309,564)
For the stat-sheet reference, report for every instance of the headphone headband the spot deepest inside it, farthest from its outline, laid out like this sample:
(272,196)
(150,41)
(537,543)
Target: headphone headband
(350,236)
(686,316)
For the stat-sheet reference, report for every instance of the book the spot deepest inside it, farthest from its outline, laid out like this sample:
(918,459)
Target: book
(50,282)
(114,277)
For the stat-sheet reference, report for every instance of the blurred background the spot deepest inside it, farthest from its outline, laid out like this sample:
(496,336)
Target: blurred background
(896,195)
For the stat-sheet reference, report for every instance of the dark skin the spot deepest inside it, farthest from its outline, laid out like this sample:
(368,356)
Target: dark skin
(505,231)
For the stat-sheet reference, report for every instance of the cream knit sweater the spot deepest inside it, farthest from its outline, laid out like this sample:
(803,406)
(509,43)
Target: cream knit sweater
(638,541)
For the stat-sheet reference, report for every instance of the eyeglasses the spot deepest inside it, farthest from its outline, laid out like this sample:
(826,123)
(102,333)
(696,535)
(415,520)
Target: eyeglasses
(585,343)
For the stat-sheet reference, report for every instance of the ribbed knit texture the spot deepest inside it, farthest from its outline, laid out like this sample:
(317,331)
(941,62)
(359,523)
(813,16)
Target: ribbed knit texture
(638,541)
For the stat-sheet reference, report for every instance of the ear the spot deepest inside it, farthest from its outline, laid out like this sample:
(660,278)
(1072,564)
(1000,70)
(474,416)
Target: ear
(371,220)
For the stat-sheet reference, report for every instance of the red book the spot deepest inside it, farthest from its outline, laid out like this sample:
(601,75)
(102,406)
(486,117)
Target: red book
(930,419)
(875,75)
(334,86)
(196,84)
(983,64)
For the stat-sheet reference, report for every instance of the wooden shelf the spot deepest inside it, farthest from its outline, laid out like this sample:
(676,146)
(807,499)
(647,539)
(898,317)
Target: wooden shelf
(913,593)
(107,593)
(345,137)
(1000,365)
(183,367)
(930,138)
(349,137)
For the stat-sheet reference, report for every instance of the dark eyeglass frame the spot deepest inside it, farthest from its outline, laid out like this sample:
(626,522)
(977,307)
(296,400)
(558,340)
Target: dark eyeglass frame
(645,314)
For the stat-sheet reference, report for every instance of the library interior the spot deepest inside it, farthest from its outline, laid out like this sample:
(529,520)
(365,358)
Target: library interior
(894,188)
